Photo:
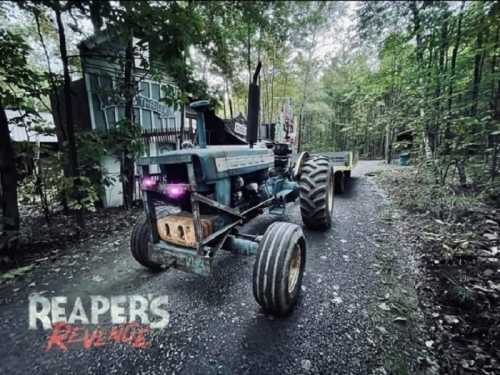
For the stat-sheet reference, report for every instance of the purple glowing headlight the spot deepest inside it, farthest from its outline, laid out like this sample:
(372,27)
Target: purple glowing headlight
(175,191)
(148,183)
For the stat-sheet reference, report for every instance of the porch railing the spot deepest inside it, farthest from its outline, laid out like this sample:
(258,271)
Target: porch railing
(166,136)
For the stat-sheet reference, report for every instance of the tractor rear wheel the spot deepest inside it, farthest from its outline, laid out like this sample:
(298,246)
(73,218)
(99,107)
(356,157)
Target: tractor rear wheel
(279,267)
(316,193)
(139,244)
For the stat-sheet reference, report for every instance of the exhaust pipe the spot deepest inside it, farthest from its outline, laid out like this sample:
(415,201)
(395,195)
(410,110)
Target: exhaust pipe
(253,108)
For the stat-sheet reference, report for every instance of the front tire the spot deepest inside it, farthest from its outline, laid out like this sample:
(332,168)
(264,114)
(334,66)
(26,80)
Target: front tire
(279,268)
(316,193)
(139,244)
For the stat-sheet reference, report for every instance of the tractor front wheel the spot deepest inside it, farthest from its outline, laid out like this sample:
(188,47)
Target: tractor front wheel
(279,267)
(139,244)
(316,193)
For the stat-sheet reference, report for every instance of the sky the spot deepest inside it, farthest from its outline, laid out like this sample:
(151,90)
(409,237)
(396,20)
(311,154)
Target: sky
(332,41)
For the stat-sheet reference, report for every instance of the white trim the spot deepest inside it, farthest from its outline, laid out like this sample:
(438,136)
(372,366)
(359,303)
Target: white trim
(89,99)
(235,162)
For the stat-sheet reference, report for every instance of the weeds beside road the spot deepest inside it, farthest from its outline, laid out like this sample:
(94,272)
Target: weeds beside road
(455,238)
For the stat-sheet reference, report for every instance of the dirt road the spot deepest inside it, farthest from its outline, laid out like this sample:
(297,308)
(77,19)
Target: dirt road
(215,324)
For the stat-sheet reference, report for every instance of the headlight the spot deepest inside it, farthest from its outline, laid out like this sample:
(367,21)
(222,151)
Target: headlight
(176,191)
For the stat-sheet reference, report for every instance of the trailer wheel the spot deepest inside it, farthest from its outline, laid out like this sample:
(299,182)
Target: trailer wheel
(340,182)
(279,267)
(316,193)
(139,240)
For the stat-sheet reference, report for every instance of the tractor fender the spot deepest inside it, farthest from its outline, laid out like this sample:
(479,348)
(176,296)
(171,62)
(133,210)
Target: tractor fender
(303,156)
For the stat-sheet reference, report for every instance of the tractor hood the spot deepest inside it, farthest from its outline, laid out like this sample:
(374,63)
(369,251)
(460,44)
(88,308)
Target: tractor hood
(216,162)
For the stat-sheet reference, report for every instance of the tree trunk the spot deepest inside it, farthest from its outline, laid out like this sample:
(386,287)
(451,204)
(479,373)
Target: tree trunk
(462,177)
(271,119)
(127,160)
(95,8)
(387,152)
(454,55)
(495,92)
(420,66)
(39,185)
(230,108)
(478,63)
(249,61)
(70,131)
(441,70)
(56,104)
(305,87)
(8,184)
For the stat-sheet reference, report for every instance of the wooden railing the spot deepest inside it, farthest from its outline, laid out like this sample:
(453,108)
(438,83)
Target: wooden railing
(166,136)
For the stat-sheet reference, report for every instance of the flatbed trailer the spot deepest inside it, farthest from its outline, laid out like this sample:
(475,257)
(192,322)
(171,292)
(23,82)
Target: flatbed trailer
(343,163)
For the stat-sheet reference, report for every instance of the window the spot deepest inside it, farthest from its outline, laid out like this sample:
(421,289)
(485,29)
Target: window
(171,123)
(94,82)
(106,89)
(155,91)
(146,119)
(137,117)
(106,82)
(145,89)
(100,121)
(157,124)
(121,113)
(110,116)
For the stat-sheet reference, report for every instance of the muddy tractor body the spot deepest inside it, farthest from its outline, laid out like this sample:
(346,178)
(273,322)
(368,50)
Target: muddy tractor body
(196,200)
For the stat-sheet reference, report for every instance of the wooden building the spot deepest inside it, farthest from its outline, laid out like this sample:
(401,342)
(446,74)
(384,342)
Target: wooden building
(98,106)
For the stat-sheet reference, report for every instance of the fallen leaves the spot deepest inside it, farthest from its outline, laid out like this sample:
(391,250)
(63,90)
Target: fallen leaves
(16,273)
(337,300)
(383,306)
(97,278)
(491,236)
(451,319)
(457,243)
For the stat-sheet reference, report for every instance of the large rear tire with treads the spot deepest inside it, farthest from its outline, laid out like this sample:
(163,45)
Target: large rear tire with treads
(316,193)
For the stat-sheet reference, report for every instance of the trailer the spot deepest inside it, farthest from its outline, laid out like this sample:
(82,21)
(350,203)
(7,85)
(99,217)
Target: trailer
(343,163)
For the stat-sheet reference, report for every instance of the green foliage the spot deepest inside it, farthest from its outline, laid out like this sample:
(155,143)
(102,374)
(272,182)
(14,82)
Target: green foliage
(43,186)
(86,194)
(124,138)
(436,79)
(18,83)
(39,188)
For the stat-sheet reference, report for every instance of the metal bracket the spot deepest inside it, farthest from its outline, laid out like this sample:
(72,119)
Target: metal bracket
(279,208)
(215,204)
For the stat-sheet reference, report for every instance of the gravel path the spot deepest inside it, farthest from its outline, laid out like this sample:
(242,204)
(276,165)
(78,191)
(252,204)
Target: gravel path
(216,326)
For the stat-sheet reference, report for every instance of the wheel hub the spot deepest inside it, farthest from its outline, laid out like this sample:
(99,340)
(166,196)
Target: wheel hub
(295,263)
(330,195)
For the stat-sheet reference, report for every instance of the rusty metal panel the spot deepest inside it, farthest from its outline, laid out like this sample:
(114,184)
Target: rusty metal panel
(180,230)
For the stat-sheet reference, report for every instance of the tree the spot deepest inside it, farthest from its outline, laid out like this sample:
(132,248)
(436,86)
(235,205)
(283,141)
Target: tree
(18,83)
(73,180)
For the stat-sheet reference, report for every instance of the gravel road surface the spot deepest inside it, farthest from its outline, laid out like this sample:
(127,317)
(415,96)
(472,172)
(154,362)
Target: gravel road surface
(215,324)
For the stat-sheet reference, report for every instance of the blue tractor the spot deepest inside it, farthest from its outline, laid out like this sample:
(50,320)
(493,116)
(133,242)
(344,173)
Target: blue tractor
(196,199)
